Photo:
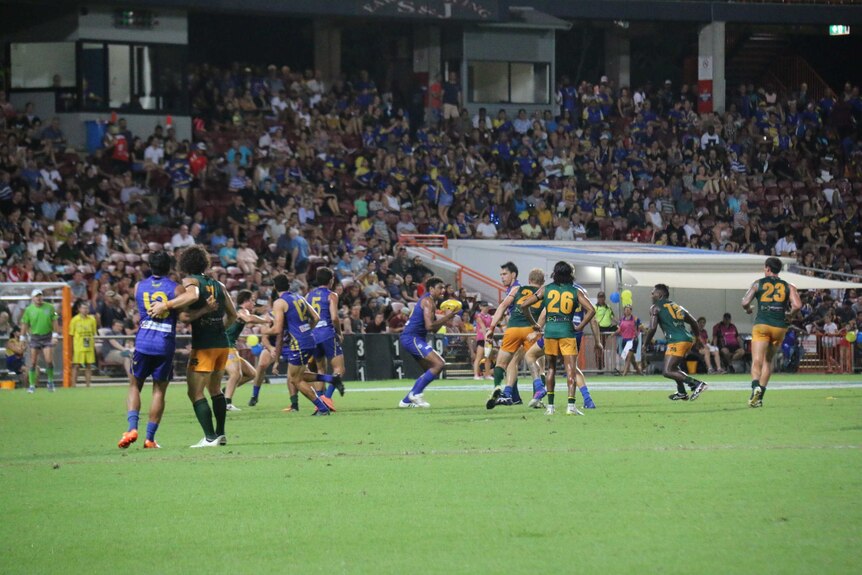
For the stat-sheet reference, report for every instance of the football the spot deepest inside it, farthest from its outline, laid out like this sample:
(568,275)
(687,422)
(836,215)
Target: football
(451,305)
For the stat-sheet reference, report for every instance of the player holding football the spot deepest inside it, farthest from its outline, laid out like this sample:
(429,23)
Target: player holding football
(518,328)
(559,300)
(774,298)
(414,340)
(673,319)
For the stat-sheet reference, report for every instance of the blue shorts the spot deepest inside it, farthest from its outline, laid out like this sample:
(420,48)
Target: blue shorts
(416,346)
(297,356)
(14,363)
(329,348)
(160,367)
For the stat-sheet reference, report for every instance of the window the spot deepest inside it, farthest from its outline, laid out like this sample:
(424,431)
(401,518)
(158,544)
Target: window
(133,77)
(509,82)
(38,65)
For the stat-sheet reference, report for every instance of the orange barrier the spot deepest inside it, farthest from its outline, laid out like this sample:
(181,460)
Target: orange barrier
(426,242)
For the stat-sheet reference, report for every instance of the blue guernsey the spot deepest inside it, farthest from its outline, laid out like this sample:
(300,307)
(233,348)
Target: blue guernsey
(318,298)
(297,331)
(415,326)
(157,335)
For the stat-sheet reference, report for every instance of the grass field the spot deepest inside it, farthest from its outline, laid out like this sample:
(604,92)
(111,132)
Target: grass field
(641,485)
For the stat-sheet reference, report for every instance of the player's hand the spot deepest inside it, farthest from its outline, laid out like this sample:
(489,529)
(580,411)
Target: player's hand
(600,346)
(748,310)
(159,309)
(489,333)
(533,336)
(212,303)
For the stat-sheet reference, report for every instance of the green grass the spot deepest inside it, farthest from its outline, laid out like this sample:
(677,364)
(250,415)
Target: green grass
(642,485)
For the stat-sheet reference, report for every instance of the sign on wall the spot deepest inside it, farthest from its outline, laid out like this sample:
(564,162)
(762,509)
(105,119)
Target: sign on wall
(487,10)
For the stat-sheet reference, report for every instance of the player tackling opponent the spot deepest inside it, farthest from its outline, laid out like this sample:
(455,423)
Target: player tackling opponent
(517,330)
(239,370)
(775,297)
(673,319)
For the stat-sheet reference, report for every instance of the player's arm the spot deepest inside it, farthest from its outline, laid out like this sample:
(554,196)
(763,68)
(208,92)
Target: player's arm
(749,297)
(533,336)
(590,312)
(248,317)
(692,323)
(527,303)
(278,311)
(653,325)
(313,316)
(501,311)
(333,313)
(229,308)
(189,295)
(429,315)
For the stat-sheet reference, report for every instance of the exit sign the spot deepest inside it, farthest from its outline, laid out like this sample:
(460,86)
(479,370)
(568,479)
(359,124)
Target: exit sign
(838,30)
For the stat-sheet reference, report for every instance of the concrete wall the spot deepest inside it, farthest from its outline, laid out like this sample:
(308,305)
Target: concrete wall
(171,27)
(74,126)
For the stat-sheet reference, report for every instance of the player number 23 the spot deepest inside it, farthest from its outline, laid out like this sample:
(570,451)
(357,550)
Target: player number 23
(773,292)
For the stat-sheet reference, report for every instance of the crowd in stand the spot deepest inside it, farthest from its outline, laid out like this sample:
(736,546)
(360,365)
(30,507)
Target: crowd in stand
(288,172)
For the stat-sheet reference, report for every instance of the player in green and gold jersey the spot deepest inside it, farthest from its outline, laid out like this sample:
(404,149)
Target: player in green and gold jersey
(775,297)
(560,301)
(515,342)
(678,326)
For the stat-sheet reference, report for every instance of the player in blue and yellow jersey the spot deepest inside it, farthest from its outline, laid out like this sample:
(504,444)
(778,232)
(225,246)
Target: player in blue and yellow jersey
(678,326)
(775,298)
(210,311)
(294,319)
(155,343)
(560,299)
(328,354)
(414,339)
(515,336)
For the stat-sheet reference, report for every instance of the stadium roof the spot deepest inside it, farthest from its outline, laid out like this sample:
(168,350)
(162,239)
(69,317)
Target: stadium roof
(647,264)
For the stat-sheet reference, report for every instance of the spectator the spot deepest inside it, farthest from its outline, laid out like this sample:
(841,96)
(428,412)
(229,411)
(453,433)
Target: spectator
(82,329)
(182,239)
(706,350)
(726,338)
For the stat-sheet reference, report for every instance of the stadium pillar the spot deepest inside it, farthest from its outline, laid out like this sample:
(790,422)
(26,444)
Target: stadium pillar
(327,49)
(618,58)
(711,86)
(67,340)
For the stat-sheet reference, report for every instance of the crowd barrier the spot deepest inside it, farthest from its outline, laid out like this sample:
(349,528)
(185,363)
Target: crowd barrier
(374,357)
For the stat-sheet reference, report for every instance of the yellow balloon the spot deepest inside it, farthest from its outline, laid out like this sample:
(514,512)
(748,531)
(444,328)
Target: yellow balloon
(252,340)
(626,297)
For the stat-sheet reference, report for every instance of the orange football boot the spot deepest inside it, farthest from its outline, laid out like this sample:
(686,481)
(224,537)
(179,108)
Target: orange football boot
(128,438)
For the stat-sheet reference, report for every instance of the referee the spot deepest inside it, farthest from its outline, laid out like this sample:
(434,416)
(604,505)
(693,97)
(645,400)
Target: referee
(40,322)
